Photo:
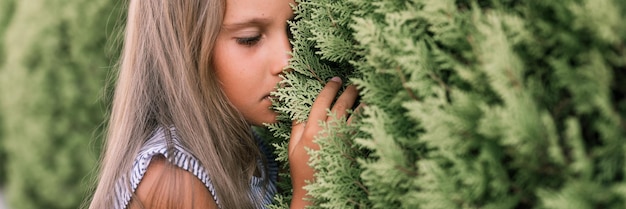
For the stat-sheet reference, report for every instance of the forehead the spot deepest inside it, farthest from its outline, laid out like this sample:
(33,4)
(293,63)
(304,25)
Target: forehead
(240,11)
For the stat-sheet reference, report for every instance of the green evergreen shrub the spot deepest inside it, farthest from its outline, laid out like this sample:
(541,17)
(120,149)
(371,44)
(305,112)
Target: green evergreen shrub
(470,104)
(6,12)
(51,82)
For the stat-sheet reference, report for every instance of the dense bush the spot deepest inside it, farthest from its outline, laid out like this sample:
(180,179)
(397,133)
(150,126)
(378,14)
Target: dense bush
(54,66)
(470,104)
(6,12)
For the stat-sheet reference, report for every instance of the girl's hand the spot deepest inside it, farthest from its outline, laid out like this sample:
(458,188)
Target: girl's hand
(302,135)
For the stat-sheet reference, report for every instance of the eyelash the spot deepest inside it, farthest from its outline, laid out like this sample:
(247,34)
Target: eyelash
(249,41)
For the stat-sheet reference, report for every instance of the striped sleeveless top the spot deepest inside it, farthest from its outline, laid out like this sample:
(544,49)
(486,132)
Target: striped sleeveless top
(182,158)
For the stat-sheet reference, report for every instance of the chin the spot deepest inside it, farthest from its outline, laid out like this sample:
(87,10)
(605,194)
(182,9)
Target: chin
(270,118)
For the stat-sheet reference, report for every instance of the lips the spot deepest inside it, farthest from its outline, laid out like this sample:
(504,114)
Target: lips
(270,97)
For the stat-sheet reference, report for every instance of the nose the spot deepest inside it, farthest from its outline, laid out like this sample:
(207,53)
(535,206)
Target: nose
(283,54)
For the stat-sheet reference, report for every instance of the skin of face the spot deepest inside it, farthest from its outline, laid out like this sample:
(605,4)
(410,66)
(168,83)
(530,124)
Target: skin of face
(250,53)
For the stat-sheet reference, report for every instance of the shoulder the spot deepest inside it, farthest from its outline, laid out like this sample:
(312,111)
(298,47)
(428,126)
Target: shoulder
(166,185)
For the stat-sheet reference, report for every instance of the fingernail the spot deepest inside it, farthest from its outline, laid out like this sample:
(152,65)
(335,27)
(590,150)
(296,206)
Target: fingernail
(336,79)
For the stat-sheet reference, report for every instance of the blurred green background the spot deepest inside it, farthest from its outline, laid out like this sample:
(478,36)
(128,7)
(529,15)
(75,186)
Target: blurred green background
(56,59)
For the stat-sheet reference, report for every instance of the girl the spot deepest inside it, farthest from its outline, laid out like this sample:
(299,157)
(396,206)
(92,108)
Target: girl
(194,76)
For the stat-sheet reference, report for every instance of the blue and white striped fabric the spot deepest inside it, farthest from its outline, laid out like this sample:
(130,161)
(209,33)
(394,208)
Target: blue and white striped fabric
(182,158)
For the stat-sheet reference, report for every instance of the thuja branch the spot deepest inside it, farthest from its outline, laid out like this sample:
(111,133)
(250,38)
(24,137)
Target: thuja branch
(403,80)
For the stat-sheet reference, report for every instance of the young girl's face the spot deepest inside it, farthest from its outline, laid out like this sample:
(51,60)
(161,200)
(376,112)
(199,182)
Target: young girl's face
(251,51)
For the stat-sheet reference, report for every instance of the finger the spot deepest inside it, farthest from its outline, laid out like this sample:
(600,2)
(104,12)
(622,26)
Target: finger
(356,111)
(345,101)
(323,102)
(296,134)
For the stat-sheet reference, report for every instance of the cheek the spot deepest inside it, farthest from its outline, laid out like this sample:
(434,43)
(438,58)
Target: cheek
(231,74)
(233,61)
(221,55)
(224,63)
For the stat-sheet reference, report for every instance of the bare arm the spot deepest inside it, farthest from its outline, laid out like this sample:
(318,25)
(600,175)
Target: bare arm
(167,186)
(302,135)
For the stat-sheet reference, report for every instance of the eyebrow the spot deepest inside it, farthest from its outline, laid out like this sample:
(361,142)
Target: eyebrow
(256,21)
(246,23)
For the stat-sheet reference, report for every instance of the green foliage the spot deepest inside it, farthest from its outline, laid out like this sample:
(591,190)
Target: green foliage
(6,12)
(470,104)
(51,82)
(311,72)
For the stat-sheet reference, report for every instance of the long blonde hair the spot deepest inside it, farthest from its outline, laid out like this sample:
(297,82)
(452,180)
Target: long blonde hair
(166,79)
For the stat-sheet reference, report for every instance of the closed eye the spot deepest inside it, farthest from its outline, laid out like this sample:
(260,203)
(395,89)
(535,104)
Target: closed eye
(248,41)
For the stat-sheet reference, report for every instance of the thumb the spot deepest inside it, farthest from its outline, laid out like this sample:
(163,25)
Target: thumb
(297,128)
